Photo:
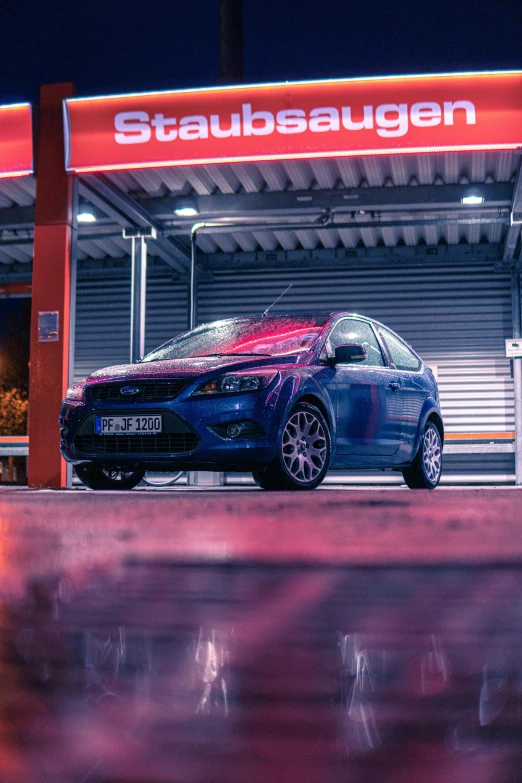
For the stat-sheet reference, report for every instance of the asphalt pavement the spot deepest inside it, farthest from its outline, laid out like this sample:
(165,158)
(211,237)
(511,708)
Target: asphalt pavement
(232,635)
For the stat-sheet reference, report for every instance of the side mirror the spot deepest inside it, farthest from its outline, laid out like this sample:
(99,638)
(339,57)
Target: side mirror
(352,352)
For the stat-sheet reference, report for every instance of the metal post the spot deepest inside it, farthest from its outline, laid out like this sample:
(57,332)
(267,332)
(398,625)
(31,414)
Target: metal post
(138,297)
(133,289)
(517,375)
(72,311)
(198,477)
(51,292)
(193,289)
(231,41)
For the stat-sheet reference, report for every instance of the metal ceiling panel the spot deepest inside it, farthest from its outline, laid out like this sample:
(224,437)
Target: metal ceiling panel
(348,172)
(246,242)
(23,195)
(398,170)
(305,177)
(329,238)
(251,178)
(123,180)
(307,239)
(493,232)
(299,173)
(114,248)
(266,240)
(150,181)
(225,178)
(389,236)
(200,179)
(11,253)
(176,182)
(17,191)
(373,170)
(226,243)
(325,172)
(5,201)
(376,171)
(92,249)
(347,237)
(287,239)
(206,244)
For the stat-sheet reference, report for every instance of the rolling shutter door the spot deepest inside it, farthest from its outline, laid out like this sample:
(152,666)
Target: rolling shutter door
(103,318)
(455,315)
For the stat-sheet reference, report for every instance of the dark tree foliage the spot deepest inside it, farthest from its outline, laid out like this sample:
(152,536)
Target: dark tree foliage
(15,319)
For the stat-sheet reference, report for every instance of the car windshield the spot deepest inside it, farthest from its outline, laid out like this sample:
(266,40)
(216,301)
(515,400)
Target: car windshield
(269,336)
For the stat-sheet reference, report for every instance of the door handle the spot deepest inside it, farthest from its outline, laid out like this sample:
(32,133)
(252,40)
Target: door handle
(394,385)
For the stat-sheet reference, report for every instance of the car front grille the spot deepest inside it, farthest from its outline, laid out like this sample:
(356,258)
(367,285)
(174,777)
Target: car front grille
(156,390)
(166,443)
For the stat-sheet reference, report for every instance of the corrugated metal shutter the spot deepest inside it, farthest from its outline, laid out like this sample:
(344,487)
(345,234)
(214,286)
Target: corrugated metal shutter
(103,318)
(455,315)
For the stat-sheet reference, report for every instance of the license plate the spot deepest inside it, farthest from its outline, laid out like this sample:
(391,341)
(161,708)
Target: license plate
(127,425)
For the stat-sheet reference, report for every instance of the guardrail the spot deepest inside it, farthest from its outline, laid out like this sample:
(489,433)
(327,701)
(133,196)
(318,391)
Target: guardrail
(479,443)
(454,443)
(14,445)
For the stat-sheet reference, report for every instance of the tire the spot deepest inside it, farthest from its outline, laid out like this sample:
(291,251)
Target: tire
(95,477)
(301,461)
(426,469)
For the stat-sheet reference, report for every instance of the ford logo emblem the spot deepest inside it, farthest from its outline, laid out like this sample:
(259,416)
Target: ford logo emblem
(128,390)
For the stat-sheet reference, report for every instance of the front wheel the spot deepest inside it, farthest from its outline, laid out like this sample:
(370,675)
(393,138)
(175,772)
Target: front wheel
(95,477)
(426,469)
(303,455)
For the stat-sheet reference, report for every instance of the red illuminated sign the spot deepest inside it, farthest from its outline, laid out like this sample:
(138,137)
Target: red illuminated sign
(295,120)
(16,140)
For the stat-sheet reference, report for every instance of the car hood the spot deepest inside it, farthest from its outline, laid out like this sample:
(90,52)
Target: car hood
(189,368)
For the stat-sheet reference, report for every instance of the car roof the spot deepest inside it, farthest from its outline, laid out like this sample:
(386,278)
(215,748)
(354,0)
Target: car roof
(332,316)
(299,313)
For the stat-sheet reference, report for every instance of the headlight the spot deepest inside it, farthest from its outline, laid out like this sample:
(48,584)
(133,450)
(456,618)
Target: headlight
(236,382)
(75,392)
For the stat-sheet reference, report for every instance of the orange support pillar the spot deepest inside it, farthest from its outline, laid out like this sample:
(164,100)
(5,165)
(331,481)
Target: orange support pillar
(51,304)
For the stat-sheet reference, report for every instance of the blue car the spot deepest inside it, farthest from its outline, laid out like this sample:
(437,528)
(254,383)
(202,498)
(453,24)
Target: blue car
(284,396)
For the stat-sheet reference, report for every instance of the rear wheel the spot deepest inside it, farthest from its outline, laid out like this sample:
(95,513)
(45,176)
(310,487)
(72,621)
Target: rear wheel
(426,469)
(95,477)
(304,452)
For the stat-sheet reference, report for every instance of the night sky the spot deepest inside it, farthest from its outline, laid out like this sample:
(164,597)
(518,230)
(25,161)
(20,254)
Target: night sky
(109,46)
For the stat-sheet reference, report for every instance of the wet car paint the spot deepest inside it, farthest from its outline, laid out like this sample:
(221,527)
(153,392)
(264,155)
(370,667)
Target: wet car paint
(371,423)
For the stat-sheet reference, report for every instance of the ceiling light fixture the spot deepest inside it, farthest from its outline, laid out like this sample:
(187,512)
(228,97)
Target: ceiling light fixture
(472,199)
(86,217)
(186,211)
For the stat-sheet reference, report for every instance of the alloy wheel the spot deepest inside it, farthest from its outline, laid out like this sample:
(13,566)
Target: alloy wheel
(432,455)
(304,446)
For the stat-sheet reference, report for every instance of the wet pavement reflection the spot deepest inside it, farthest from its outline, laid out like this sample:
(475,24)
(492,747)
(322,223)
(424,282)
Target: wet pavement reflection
(156,670)
(253,637)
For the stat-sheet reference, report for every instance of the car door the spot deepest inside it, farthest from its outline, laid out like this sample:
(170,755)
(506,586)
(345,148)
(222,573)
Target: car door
(364,396)
(413,389)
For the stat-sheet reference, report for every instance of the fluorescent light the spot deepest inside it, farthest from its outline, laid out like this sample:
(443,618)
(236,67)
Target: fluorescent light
(85,217)
(186,212)
(472,199)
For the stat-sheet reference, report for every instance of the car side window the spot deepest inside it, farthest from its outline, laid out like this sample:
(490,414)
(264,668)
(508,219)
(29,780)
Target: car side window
(351,331)
(402,357)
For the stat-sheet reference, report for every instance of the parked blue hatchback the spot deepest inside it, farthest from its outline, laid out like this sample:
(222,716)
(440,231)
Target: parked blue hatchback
(284,396)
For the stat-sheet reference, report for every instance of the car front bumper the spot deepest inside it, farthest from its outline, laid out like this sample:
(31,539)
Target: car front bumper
(189,422)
